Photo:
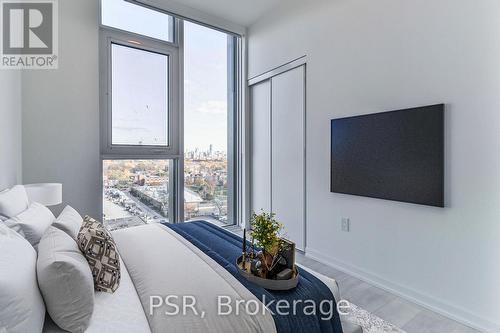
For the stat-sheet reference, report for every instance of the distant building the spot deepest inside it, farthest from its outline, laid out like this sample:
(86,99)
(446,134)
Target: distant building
(140,180)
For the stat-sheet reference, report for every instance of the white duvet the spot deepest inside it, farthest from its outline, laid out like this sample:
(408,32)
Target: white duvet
(162,263)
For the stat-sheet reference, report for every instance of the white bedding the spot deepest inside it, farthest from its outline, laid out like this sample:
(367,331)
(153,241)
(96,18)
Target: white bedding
(157,261)
(162,263)
(120,312)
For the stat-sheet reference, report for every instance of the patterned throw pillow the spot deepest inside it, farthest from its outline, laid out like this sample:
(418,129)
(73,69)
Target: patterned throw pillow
(99,249)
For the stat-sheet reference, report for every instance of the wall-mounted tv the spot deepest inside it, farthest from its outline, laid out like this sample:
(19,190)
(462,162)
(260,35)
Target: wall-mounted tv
(395,155)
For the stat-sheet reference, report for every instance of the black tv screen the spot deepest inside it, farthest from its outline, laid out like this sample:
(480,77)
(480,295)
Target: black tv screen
(396,155)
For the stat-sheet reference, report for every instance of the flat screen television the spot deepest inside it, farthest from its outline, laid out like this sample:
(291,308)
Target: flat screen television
(395,155)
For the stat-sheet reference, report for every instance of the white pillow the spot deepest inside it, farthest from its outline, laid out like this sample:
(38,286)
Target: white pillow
(69,221)
(14,201)
(21,305)
(65,281)
(32,223)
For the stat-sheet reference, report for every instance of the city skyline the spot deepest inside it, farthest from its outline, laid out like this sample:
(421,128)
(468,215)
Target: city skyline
(210,149)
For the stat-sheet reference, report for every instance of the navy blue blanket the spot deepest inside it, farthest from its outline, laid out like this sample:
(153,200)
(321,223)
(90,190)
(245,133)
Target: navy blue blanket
(225,247)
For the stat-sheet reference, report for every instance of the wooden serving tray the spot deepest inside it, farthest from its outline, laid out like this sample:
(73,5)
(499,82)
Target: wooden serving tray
(267,283)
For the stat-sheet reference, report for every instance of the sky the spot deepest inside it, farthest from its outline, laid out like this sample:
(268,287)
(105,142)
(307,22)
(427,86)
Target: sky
(139,120)
(205,88)
(141,74)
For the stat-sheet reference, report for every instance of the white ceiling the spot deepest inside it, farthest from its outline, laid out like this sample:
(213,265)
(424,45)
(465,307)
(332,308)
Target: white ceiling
(242,12)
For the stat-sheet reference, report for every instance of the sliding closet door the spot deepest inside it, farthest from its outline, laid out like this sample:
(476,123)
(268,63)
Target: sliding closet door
(288,152)
(260,113)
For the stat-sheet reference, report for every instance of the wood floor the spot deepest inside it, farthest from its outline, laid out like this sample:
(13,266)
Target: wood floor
(397,311)
(408,316)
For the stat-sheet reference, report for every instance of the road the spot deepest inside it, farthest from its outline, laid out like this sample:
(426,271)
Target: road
(148,210)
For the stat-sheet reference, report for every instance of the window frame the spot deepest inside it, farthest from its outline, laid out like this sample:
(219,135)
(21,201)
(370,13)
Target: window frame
(233,55)
(234,100)
(173,33)
(108,149)
(237,134)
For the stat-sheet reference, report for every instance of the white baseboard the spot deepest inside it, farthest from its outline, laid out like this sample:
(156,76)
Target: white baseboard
(448,310)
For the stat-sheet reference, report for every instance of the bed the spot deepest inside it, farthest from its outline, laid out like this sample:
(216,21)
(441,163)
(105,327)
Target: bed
(156,261)
(153,251)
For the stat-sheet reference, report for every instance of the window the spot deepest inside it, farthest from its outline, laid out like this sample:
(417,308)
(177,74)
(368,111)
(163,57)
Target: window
(207,125)
(139,105)
(140,96)
(123,15)
(136,192)
(147,177)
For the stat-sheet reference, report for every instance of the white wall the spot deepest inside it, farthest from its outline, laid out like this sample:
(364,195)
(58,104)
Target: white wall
(61,112)
(10,128)
(368,56)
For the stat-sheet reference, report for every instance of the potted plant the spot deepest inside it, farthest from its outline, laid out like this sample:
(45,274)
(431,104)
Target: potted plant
(266,232)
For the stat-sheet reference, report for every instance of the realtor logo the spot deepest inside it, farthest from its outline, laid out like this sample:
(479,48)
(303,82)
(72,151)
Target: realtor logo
(29,34)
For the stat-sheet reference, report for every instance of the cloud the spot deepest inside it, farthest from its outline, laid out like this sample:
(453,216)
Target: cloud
(213,107)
